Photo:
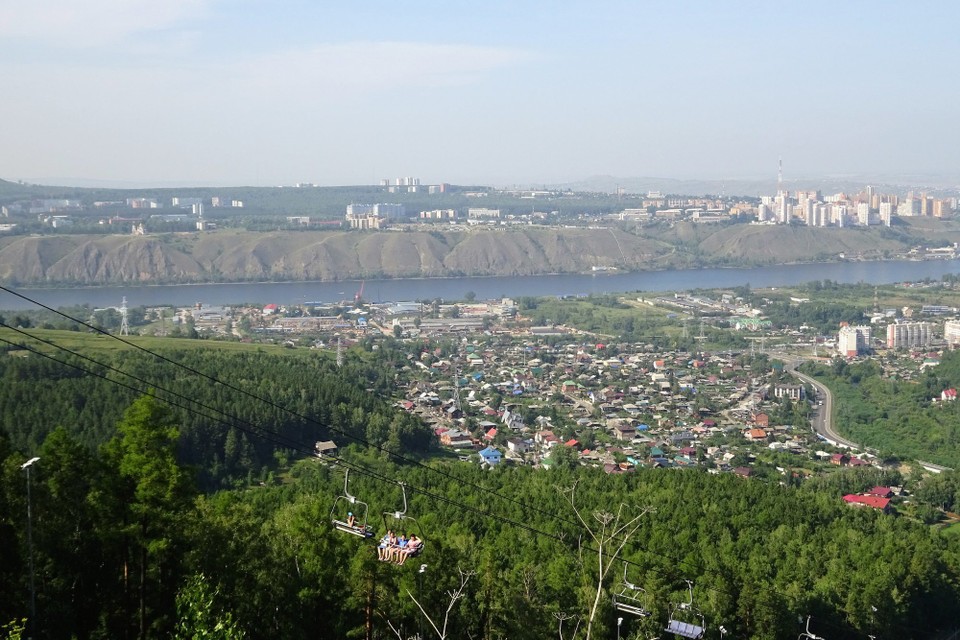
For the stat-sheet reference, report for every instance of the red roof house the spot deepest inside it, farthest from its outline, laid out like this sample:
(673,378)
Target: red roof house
(880,492)
(875,502)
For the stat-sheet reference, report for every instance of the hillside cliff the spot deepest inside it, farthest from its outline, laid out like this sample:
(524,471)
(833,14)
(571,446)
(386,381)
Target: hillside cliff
(234,256)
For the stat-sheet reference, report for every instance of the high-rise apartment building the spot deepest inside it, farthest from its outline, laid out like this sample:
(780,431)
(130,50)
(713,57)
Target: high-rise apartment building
(903,335)
(886,213)
(853,340)
(951,332)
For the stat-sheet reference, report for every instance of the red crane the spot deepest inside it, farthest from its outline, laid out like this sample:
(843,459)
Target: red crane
(357,298)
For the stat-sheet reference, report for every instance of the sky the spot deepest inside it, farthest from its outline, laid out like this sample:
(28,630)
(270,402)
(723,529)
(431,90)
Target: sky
(269,92)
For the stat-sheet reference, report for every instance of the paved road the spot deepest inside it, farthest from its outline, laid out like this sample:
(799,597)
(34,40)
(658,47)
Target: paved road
(822,415)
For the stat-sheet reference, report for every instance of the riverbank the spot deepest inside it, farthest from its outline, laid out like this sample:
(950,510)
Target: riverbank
(491,287)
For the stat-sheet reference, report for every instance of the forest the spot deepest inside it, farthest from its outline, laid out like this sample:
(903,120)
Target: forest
(177,494)
(895,414)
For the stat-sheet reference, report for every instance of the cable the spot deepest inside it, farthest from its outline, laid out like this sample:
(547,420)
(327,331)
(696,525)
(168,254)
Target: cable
(279,407)
(289,443)
(259,432)
(251,431)
(352,465)
(255,431)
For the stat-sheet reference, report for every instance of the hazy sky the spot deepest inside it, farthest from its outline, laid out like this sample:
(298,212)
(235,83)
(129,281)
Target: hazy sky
(275,92)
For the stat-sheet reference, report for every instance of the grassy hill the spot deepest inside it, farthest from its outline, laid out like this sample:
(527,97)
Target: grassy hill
(241,256)
(233,256)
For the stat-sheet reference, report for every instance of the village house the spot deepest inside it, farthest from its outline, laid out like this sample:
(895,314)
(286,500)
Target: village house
(490,456)
(874,502)
(518,446)
(624,432)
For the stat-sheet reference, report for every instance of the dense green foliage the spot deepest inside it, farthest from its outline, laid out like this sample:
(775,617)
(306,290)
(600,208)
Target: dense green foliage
(899,417)
(759,555)
(126,546)
(611,316)
(231,434)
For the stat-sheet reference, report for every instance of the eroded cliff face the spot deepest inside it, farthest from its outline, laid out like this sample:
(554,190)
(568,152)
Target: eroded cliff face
(237,256)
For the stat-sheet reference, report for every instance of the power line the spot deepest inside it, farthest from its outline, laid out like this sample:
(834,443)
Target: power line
(282,408)
(265,434)
(272,436)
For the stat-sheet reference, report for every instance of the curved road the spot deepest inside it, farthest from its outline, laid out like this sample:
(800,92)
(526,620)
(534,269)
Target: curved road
(822,413)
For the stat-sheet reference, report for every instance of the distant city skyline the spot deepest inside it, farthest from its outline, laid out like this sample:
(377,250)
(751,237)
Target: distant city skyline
(205,92)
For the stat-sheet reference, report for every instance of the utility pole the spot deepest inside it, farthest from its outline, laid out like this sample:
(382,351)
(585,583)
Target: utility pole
(33,592)
(124,328)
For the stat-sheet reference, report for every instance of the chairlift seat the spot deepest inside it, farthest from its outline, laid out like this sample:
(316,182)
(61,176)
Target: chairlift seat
(631,599)
(629,607)
(357,530)
(684,629)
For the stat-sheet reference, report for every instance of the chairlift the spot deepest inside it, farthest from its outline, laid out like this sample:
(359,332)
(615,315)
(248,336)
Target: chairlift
(356,521)
(399,520)
(631,598)
(686,621)
(809,635)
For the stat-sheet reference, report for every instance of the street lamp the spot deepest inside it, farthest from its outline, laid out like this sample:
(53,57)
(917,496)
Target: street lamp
(619,622)
(423,570)
(33,594)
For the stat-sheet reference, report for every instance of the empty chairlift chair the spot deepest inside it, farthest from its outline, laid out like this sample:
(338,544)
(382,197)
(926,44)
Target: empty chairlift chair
(809,635)
(686,621)
(631,599)
(354,521)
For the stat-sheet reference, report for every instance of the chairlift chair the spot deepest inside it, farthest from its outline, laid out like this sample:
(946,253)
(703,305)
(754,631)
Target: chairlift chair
(809,635)
(393,520)
(631,599)
(360,527)
(686,621)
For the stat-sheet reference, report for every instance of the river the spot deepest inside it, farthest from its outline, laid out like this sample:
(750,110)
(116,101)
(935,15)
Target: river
(485,288)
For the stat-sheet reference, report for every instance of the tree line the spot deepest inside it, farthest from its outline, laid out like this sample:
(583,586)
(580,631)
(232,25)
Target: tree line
(136,535)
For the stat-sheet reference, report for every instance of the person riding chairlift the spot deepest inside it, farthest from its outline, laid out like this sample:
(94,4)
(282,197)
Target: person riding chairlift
(412,547)
(385,548)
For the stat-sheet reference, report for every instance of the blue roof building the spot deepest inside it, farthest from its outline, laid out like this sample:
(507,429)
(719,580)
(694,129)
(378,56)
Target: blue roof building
(490,456)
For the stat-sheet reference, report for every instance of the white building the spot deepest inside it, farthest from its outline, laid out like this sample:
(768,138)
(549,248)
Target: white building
(909,207)
(439,214)
(903,335)
(482,212)
(853,340)
(951,332)
(373,216)
(886,213)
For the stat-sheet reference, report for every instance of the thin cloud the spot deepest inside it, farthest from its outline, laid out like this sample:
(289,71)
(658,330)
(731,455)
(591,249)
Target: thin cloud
(378,65)
(71,23)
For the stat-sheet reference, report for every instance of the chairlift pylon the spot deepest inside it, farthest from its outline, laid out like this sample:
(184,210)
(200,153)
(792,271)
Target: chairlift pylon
(355,523)
(686,621)
(631,599)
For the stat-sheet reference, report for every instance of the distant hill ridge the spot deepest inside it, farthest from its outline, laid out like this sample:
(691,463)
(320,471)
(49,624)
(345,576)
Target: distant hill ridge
(236,256)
